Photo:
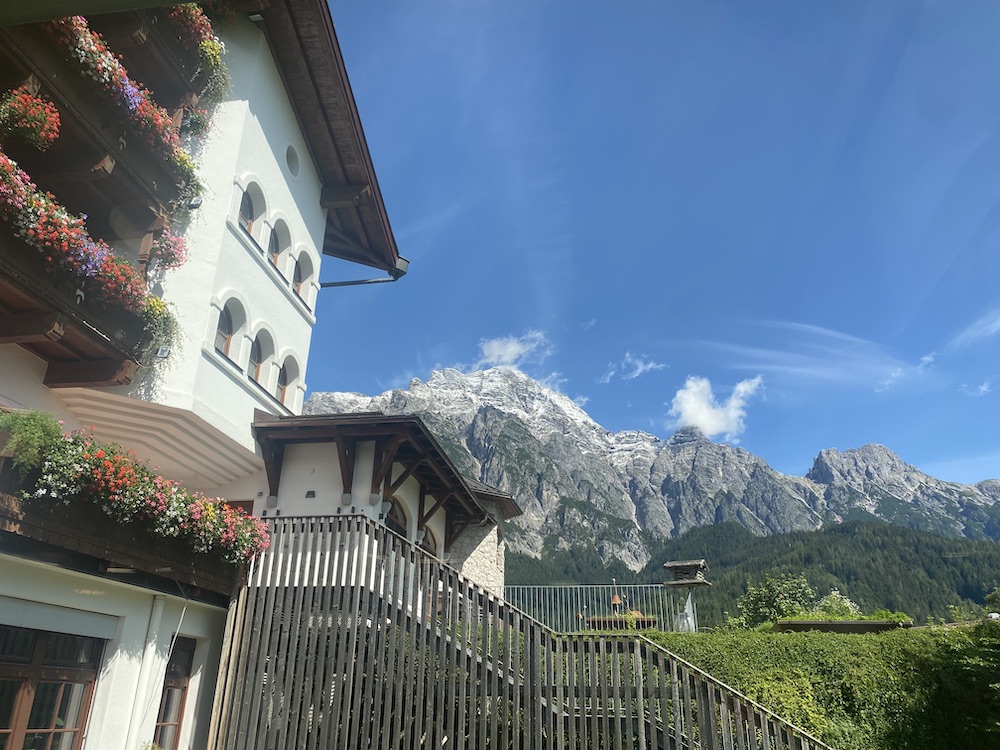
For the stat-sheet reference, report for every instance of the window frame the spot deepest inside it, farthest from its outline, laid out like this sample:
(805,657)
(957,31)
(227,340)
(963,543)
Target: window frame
(225,334)
(180,681)
(34,672)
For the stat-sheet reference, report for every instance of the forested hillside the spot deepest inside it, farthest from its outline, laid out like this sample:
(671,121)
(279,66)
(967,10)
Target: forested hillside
(875,564)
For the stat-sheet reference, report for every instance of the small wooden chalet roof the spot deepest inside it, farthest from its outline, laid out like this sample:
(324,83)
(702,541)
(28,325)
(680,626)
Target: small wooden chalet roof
(401,440)
(509,507)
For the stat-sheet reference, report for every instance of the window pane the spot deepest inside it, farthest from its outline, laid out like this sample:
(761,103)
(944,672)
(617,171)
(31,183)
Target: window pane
(77,650)
(171,705)
(16,644)
(57,705)
(63,741)
(8,696)
(70,708)
(166,737)
(43,710)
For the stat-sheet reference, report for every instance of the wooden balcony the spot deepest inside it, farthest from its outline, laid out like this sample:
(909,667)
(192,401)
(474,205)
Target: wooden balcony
(101,164)
(82,532)
(50,315)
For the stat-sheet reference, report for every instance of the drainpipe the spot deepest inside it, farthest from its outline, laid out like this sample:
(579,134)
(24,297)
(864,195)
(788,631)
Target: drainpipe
(142,701)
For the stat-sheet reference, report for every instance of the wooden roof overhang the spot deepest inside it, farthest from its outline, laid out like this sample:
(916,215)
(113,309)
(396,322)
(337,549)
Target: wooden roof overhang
(305,48)
(509,507)
(399,441)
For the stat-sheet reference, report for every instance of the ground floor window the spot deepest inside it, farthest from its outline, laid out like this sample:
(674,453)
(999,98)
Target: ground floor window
(46,683)
(175,687)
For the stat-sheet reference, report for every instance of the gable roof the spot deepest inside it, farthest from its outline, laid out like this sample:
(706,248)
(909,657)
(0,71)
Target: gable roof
(404,440)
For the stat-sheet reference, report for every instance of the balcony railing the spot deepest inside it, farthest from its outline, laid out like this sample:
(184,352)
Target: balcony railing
(51,315)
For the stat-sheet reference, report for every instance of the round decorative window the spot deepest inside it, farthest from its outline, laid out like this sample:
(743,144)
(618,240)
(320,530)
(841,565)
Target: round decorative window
(292,160)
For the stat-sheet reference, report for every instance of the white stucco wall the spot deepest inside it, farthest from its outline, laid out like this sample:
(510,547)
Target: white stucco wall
(118,691)
(247,145)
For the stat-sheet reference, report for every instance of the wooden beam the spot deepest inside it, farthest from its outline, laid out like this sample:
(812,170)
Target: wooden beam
(32,328)
(346,454)
(343,196)
(398,481)
(273,464)
(345,241)
(106,372)
(380,470)
(437,504)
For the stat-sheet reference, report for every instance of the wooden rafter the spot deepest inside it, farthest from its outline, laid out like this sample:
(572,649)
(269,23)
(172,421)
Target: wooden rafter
(383,468)
(393,488)
(346,454)
(437,504)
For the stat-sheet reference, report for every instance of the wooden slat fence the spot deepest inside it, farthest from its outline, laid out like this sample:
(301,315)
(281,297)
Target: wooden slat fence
(347,636)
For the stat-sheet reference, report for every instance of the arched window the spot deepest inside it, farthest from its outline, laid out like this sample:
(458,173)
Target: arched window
(274,249)
(224,332)
(396,518)
(247,213)
(256,359)
(298,277)
(282,390)
(429,542)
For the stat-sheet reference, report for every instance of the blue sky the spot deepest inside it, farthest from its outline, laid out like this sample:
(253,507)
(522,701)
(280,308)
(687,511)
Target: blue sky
(778,220)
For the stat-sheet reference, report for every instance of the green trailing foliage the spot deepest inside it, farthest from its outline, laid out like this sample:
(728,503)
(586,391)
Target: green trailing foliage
(29,435)
(919,689)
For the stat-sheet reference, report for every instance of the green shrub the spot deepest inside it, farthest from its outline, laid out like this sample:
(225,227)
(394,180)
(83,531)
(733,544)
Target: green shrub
(31,433)
(919,689)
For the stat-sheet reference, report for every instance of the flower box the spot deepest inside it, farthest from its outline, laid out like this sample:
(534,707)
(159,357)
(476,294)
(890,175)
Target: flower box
(67,294)
(81,527)
(86,107)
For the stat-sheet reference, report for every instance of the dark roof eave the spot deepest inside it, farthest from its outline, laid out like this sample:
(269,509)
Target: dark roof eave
(304,44)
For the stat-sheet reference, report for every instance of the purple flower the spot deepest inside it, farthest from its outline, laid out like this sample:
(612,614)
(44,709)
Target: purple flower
(129,93)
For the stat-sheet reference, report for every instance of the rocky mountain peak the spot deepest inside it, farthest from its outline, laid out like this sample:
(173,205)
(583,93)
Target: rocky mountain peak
(686,436)
(620,494)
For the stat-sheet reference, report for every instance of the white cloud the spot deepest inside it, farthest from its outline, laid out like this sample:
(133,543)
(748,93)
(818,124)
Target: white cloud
(905,371)
(608,374)
(631,367)
(695,405)
(589,324)
(513,351)
(581,401)
(812,354)
(986,326)
(980,390)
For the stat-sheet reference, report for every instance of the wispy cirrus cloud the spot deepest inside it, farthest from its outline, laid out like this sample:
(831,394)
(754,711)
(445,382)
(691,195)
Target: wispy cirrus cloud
(809,353)
(696,405)
(905,372)
(984,327)
(979,390)
(630,367)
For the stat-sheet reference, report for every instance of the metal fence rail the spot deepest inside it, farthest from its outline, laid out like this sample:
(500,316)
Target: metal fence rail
(347,636)
(566,609)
